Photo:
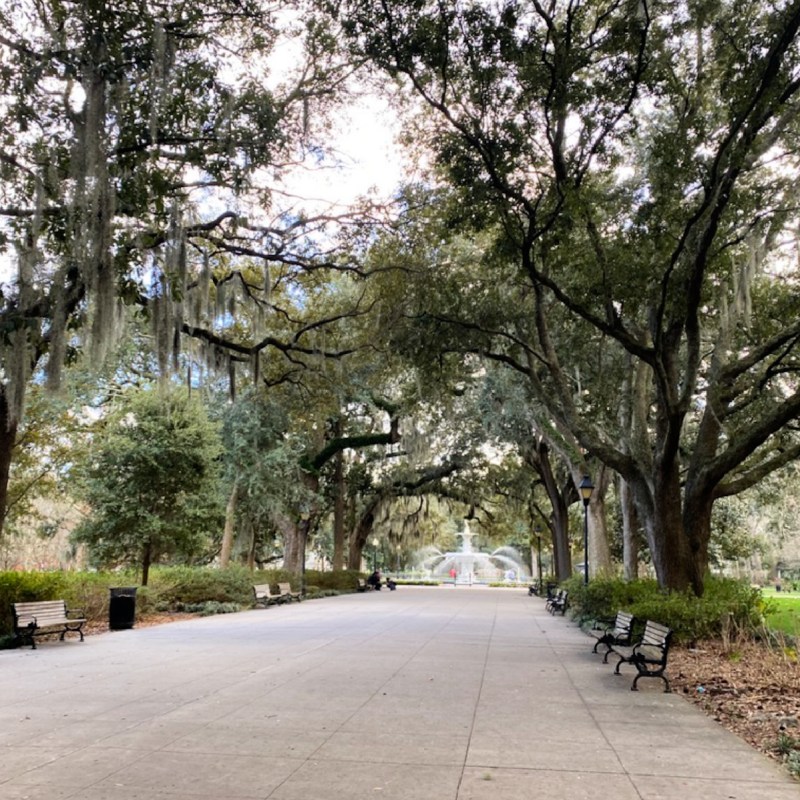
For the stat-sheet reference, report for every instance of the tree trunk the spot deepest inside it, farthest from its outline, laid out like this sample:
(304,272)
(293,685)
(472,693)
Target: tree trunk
(599,552)
(338,513)
(147,560)
(361,534)
(562,558)
(295,547)
(697,510)
(630,533)
(251,550)
(230,527)
(295,534)
(8,438)
(660,512)
(350,524)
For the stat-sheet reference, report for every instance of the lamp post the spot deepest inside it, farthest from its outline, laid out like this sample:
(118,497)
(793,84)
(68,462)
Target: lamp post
(375,554)
(586,487)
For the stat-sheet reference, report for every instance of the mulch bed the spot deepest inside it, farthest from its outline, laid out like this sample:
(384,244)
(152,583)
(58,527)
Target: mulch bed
(750,688)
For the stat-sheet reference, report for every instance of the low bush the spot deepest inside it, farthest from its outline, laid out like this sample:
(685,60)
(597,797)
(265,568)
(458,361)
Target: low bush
(727,608)
(209,608)
(21,587)
(337,582)
(412,582)
(315,593)
(187,585)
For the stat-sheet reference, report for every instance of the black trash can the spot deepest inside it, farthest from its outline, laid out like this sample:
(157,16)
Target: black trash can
(122,608)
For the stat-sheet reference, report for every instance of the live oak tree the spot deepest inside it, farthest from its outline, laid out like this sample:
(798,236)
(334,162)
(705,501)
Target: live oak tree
(635,163)
(140,145)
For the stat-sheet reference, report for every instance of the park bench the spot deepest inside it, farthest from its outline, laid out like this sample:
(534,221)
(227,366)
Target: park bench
(264,595)
(363,586)
(551,598)
(558,603)
(620,633)
(285,591)
(648,655)
(41,617)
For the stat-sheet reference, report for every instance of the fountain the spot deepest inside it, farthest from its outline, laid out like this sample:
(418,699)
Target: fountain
(473,566)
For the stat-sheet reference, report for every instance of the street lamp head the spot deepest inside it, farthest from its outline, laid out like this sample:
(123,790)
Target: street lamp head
(586,487)
(375,542)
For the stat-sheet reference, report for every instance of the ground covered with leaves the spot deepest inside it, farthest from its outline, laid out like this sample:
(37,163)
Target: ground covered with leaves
(751,688)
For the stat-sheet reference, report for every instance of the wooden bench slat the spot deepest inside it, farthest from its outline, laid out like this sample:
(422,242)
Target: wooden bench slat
(36,618)
(263,594)
(285,590)
(648,655)
(619,635)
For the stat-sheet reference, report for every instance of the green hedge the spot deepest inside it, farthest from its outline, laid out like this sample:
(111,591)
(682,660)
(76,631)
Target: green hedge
(170,588)
(727,606)
(20,587)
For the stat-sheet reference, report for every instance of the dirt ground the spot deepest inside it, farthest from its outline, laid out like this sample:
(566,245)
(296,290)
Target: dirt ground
(752,689)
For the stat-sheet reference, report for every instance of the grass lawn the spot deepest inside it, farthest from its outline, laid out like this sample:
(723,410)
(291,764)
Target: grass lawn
(784,613)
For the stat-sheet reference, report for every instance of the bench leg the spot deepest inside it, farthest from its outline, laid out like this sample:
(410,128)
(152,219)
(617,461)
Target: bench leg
(25,635)
(667,687)
(67,630)
(645,673)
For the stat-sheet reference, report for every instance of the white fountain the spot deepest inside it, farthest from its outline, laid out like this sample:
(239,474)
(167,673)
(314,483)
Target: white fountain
(473,566)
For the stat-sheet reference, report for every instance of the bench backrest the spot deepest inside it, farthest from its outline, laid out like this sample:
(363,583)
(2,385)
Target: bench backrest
(656,635)
(285,588)
(623,623)
(262,590)
(41,612)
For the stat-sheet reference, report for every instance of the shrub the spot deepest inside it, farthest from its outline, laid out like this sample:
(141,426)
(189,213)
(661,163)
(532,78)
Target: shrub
(20,587)
(324,582)
(315,593)
(727,607)
(89,591)
(209,608)
(187,585)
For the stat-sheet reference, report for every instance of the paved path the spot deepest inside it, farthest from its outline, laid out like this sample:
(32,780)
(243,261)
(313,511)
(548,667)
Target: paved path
(419,694)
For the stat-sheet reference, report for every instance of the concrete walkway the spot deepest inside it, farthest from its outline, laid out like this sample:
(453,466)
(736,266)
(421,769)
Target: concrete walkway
(419,694)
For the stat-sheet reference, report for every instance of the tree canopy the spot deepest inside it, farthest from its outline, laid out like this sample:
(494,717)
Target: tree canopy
(635,163)
(150,480)
(598,262)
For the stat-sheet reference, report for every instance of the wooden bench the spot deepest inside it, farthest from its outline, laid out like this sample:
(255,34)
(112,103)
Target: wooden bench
(618,634)
(648,655)
(285,591)
(264,595)
(41,617)
(558,603)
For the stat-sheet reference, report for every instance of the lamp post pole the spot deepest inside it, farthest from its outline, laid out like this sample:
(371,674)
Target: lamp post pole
(586,487)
